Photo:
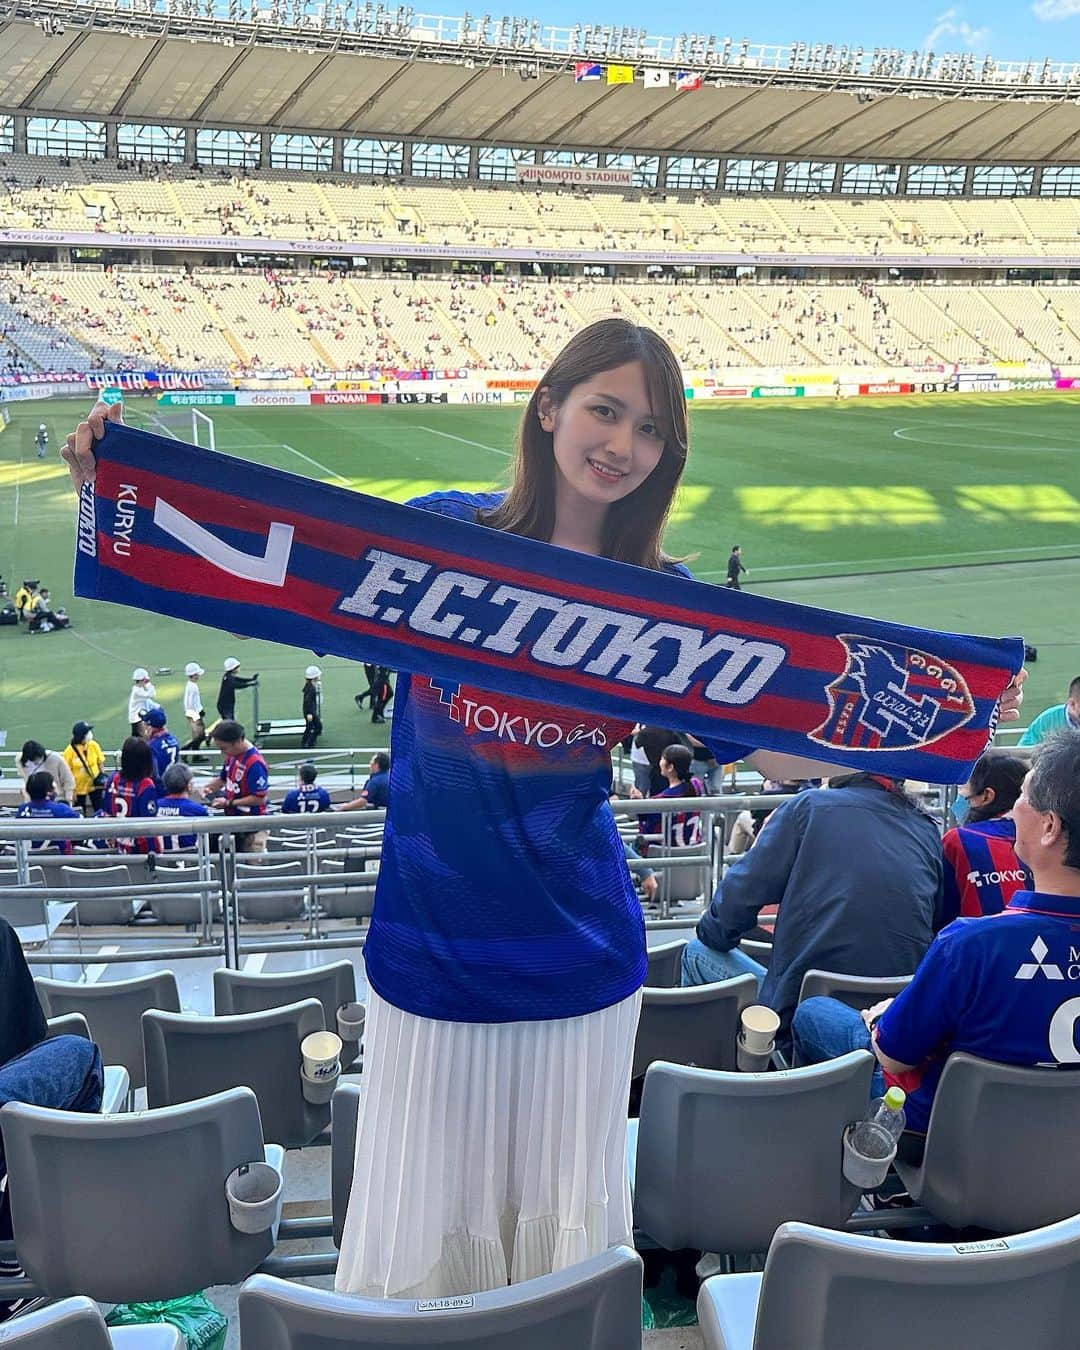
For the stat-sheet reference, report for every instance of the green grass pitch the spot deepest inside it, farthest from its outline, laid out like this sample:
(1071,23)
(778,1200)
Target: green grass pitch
(953,512)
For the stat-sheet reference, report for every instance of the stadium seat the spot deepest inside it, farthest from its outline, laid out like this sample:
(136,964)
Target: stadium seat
(131,1207)
(822,1290)
(720,1160)
(345,1109)
(978,1107)
(696,1025)
(116,1093)
(269,906)
(113,1010)
(680,884)
(76,1324)
(857,991)
(107,909)
(665,965)
(236,991)
(191,1057)
(594,1305)
(339,900)
(179,908)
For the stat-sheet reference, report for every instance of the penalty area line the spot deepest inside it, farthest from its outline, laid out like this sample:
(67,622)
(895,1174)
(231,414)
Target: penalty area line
(300,455)
(463,440)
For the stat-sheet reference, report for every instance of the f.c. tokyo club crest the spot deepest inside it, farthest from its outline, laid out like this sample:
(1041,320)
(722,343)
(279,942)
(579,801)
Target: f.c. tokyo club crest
(892,697)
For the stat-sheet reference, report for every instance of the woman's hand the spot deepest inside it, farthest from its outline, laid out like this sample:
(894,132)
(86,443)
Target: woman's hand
(1010,701)
(636,794)
(78,449)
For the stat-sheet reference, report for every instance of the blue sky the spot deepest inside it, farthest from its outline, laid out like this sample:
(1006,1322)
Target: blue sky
(1019,31)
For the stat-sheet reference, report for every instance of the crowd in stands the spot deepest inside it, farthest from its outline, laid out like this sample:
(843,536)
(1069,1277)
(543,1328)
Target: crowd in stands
(315,323)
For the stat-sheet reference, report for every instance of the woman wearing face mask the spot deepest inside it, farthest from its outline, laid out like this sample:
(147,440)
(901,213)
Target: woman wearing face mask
(981,869)
(34,757)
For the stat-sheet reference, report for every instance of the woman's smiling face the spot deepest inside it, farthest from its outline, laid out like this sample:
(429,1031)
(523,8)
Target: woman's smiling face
(606,439)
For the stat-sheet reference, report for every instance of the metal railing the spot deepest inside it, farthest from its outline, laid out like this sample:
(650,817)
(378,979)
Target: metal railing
(221,889)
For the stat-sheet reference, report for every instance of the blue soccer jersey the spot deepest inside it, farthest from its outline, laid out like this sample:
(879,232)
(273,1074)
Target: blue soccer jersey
(49,810)
(246,775)
(503,892)
(171,808)
(165,750)
(124,797)
(308,798)
(1004,988)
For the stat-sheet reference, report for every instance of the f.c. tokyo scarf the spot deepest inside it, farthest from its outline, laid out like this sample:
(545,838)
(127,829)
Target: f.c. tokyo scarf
(201,536)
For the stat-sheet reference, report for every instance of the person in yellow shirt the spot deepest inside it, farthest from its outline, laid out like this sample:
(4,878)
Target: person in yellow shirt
(86,760)
(23,596)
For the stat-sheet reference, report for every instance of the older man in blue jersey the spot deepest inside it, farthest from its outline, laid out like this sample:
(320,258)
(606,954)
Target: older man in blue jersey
(1004,987)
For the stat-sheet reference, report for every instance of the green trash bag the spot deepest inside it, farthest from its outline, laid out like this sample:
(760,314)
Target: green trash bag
(202,1326)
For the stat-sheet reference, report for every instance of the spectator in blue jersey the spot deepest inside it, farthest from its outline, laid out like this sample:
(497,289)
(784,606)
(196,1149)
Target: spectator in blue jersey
(242,786)
(307,797)
(856,872)
(1061,717)
(1003,988)
(42,805)
(164,747)
(982,870)
(62,1072)
(176,801)
(506,952)
(131,793)
(375,793)
(684,826)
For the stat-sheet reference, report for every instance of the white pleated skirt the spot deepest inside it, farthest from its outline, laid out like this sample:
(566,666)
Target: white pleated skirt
(486,1153)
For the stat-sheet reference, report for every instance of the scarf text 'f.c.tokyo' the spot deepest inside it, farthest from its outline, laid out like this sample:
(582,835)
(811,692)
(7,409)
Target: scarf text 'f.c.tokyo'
(251,550)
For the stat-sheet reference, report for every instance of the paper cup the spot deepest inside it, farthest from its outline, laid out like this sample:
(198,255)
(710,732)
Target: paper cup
(318,1091)
(321,1052)
(759,1028)
(350,1021)
(253,1191)
(868,1153)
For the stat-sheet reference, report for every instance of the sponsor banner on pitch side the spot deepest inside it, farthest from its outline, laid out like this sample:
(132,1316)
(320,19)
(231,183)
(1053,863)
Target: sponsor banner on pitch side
(197,399)
(885,388)
(778,391)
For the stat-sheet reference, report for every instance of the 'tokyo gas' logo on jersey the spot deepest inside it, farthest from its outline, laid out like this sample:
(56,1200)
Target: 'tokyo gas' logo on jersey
(892,697)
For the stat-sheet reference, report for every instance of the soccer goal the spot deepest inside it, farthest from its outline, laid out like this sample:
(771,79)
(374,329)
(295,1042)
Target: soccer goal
(186,424)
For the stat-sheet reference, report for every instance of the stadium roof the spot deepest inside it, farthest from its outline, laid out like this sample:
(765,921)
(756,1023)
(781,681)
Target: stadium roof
(436,79)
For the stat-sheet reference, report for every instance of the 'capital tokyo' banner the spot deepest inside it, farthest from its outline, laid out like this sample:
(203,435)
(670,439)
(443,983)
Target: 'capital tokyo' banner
(195,535)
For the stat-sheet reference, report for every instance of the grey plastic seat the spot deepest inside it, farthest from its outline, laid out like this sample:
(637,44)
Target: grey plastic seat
(965,1181)
(116,1091)
(271,906)
(341,900)
(191,1057)
(837,1291)
(76,1324)
(181,909)
(345,1109)
(665,965)
(857,991)
(594,1305)
(679,884)
(722,1159)
(132,1207)
(113,1010)
(108,909)
(236,991)
(696,1025)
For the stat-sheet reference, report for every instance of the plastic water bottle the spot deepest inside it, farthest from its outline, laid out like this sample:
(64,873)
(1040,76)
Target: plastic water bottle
(888,1111)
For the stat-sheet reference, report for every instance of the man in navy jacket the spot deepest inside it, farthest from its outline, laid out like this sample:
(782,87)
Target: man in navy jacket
(857,874)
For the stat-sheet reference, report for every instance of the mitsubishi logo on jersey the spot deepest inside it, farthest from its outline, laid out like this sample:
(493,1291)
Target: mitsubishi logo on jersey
(1030,969)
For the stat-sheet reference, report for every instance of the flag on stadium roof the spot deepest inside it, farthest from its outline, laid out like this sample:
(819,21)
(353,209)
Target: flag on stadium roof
(620,74)
(655,78)
(685,81)
(587,70)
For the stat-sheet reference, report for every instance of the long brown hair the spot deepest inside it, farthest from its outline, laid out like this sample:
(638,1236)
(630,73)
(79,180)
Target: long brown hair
(634,526)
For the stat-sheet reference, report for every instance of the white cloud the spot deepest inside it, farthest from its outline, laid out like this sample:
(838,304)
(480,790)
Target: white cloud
(1050,11)
(952,31)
